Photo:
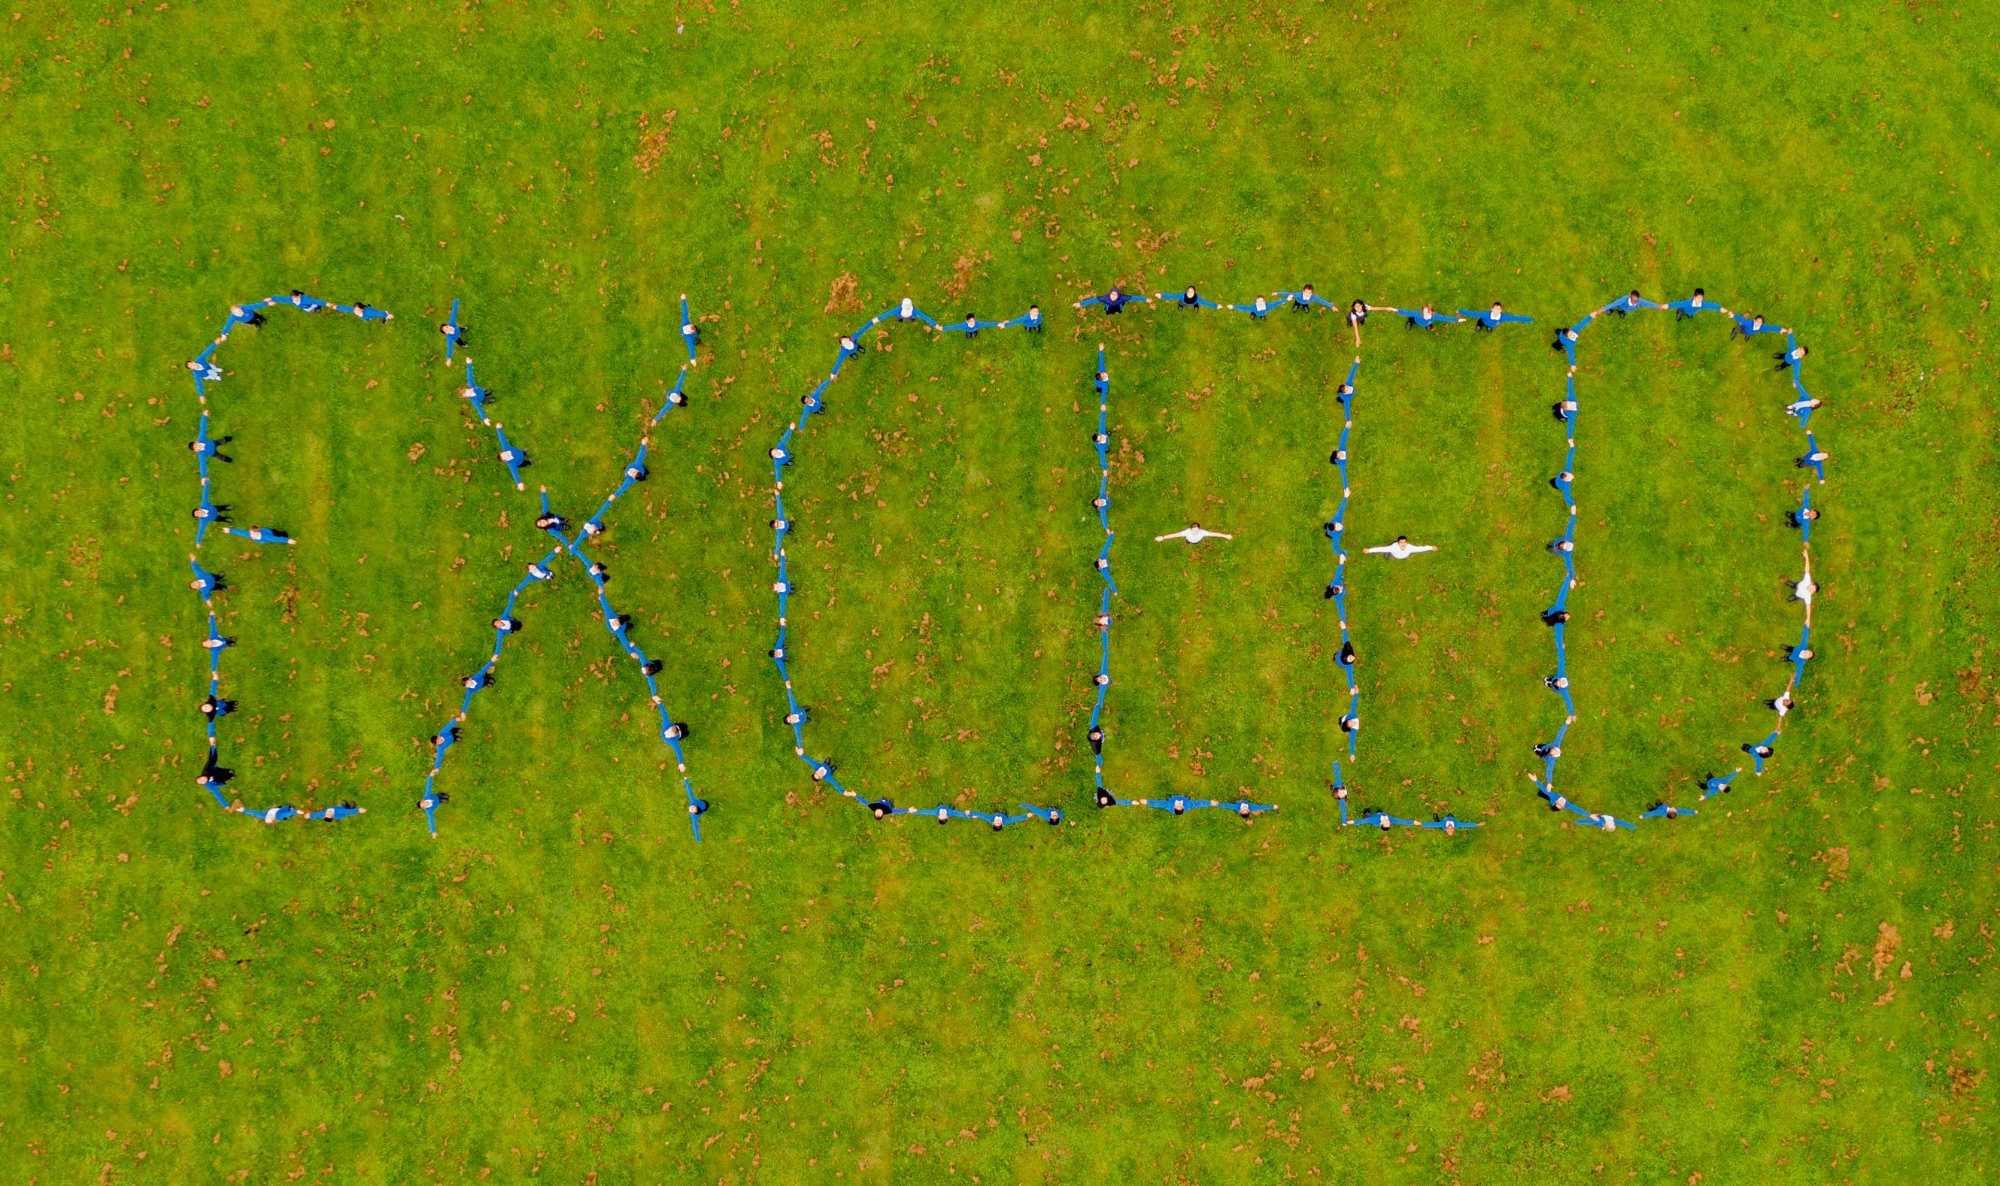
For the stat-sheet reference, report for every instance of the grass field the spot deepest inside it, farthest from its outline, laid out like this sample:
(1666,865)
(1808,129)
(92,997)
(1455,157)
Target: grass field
(564,987)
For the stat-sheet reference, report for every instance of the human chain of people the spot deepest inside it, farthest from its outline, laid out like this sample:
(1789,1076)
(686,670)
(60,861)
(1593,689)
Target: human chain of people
(1305,300)
(1112,302)
(1557,616)
(798,715)
(214,775)
(673,733)
(1376,817)
(619,626)
(1336,537)
(479,399)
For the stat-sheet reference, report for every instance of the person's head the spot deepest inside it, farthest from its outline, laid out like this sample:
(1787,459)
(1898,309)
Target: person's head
(1055,816)
(1113,294)
(193,365)
(1497,310)
(1102,680)
(1194,527)
(778,524)
(1634,298)
(1104,376)
(1189,294)
(1096,734)
(999,821)
(1428,309)
(1180,805)
(1100,502)
(1756,320)
(777,452)
(1806,653)
(1809,513)
(1105,797)
(1034,311)
(1800,352)
(195,584)
(1340,792)
(1402,539)
(1450,827)
(971,320)
(445,329)
(1699,294)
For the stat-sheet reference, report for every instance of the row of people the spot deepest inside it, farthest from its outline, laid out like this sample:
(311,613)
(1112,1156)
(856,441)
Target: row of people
(1375,817)
(1101,442)
(1336,535)
(1303,300)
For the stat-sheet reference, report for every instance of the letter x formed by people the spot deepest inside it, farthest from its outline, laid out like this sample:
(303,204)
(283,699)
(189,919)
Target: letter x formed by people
(672,733)
(206,371)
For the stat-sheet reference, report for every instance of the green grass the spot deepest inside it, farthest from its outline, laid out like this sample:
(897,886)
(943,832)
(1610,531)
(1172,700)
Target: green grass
(564,987)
